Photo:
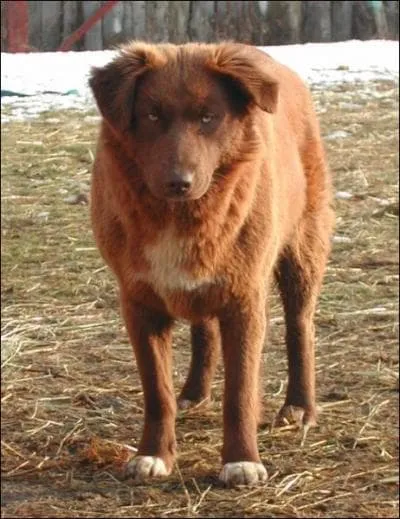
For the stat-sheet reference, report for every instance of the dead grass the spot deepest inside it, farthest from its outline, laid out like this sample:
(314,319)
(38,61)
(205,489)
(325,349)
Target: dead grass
(71,396)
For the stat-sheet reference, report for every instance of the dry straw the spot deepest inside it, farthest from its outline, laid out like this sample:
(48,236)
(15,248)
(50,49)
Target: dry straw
(71,396)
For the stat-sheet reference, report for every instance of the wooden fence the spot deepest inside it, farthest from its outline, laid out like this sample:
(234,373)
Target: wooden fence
(256,22)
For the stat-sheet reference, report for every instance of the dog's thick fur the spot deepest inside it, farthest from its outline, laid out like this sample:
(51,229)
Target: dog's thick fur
(209,180)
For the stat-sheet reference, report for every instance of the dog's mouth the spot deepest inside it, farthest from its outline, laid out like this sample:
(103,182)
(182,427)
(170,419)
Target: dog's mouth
(178,191)
(181,193)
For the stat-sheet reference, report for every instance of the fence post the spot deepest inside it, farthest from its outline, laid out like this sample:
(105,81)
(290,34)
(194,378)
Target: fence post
(316,21)
(17,26)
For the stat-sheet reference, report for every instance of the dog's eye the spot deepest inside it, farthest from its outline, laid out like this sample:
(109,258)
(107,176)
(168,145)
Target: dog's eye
(152,117)
(206,118)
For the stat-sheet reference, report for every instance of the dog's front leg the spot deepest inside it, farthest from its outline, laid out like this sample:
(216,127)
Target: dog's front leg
(242,332)
(150,333)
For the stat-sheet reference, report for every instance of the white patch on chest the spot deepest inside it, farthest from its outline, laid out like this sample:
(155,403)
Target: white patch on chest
(167,257)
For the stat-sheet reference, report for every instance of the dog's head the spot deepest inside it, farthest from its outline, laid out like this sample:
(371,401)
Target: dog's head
(186,110)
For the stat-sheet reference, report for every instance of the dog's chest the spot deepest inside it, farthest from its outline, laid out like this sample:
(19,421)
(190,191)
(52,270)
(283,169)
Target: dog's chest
(174,264)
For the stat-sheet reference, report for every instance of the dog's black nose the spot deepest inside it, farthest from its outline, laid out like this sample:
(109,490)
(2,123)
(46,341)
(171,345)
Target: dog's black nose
(179,183)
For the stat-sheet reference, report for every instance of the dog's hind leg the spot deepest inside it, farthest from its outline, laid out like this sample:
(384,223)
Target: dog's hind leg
(299,274)
(206,346)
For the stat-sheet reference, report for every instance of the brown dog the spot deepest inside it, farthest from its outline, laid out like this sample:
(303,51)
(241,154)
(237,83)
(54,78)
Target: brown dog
(210,178)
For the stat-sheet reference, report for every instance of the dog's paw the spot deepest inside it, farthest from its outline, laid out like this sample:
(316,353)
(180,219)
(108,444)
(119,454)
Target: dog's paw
(141,468)
(290,414)
(247,473)
(185,403)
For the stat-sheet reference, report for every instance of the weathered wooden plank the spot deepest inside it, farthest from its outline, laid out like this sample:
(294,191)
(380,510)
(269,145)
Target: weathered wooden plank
(112,26)
(245,25)
(369,20)
(263,7)
(392,17)
(127,21)
(35,25)
(342,19)
(284,22)
(379,14)
(226,20)
(296,19)
(316,21)
(257,15)
(139,19)
(257,22)
(178,20)
(157,20)
(71,21)
(202,21)
(93,39)
(51,25)
(363,21)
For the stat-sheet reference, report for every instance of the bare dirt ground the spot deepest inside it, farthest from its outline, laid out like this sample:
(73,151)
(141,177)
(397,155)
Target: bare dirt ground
(71,396)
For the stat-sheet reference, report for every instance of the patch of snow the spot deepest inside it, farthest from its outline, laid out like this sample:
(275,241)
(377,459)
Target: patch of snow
(350,106)
(343,195)
(319,64)
(341,239)
(339,134)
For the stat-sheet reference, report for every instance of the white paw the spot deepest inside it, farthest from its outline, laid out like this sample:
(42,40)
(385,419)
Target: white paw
(246,473)
(144,467)
(185,404)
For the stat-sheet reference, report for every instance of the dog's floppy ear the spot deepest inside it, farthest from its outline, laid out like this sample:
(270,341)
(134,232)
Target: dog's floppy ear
(113,85)
(250,70)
